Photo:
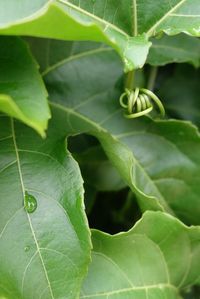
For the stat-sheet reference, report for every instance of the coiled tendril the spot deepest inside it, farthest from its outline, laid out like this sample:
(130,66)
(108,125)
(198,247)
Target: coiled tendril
(139,102)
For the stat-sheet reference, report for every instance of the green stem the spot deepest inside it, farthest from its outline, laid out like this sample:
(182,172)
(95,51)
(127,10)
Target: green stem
(152,78)
(135,21)
(129,83)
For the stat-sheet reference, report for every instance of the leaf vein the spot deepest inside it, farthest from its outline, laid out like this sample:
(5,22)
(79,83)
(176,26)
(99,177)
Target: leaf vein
(151,30)
(29,219)
(138,288)
(101,21)
(74,57)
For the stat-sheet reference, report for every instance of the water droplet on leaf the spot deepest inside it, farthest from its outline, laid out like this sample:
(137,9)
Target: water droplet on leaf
(30,203)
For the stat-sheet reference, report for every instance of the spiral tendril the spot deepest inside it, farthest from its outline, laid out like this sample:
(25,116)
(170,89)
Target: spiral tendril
(140,102)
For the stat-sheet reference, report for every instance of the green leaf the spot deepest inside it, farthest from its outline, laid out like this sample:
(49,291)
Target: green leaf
(155,259)
(44,254)
(54,18)
(153,157)
(180,93)
(22,92)
(180,48)
(172,17)
(124,25)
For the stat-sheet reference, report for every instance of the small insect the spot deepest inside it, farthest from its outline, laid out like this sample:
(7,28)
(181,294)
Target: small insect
(30,203)
(140,102)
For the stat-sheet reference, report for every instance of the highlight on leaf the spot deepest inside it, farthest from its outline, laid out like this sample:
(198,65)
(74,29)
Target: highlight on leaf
(30,203)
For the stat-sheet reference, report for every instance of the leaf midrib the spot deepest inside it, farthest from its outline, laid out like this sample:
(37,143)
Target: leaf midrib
(29,219)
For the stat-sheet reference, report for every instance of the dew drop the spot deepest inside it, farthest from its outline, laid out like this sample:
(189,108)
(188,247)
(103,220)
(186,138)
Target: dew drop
(30,203)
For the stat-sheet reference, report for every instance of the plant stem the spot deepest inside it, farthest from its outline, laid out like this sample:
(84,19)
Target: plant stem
(152,78)
(134,25)
(129,83)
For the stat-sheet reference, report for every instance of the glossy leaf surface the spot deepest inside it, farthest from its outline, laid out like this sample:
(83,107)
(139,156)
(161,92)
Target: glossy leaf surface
(44,237)
(22,92)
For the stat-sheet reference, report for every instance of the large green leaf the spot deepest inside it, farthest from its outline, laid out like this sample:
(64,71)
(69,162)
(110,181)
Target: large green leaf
(43,254)
(155,259)
(22,92)
(119,17)
(170,49)
(123,24)
(153,157)
(64,20)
